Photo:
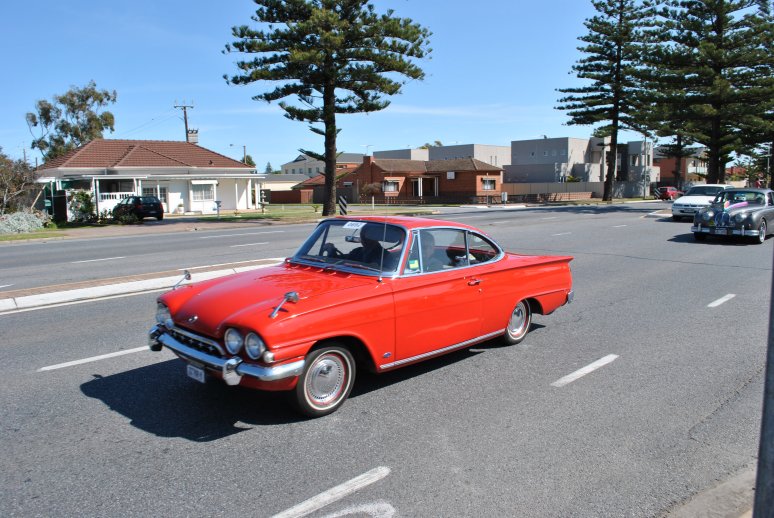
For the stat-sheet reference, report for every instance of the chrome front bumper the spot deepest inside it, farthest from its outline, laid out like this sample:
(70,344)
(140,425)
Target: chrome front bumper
(232,368)
(725,231)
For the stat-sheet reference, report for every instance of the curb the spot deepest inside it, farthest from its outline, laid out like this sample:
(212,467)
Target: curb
(62,296)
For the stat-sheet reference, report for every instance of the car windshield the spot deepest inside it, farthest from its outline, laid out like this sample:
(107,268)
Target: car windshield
(728,198)
(365,246)
(703,190)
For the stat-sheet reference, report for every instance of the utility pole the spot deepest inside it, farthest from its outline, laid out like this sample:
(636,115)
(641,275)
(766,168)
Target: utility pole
(184,107)
(764,486)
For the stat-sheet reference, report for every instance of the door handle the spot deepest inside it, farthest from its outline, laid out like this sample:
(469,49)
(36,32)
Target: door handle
(474,282)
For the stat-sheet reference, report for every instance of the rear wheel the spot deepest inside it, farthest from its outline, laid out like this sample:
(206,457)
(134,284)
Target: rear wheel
(698,236)
(160,217)
(326,381)
(518,324)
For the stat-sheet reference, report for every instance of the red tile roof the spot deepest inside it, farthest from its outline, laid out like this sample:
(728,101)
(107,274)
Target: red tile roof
(104,153)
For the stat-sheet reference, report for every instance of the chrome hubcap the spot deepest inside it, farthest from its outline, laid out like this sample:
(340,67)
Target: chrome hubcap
(518,322)
(326,380)
(762,232)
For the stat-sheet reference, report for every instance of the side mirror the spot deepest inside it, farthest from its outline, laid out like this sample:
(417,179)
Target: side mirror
(186,277)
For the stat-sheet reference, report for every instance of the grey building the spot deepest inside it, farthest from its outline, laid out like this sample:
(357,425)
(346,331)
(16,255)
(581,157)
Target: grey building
(556,159)
(497,156)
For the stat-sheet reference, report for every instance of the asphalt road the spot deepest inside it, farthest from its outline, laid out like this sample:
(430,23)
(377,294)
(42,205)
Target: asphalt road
(486,432)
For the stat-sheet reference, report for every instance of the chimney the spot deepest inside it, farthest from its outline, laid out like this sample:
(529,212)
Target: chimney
(368,160)
(193,136)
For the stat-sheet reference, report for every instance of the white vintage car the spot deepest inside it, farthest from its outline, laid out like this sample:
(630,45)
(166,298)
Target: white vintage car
(697,198)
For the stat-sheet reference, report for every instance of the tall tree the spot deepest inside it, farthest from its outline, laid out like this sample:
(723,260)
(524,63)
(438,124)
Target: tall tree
(71,119)
(613,99)
(719,51)
(15,177)
(249,160)
(269,169)
(335,57)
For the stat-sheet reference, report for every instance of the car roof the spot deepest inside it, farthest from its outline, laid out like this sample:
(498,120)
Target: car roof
(410,222)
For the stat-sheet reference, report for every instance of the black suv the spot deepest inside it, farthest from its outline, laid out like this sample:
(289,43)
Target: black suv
(140,206)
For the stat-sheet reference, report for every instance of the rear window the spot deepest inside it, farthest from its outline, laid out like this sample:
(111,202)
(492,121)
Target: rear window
(149,199)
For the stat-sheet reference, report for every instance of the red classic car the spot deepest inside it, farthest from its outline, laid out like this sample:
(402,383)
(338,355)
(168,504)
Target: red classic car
(372,293)
(667,193)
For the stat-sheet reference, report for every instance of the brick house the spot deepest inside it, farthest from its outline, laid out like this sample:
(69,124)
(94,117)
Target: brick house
(461,180)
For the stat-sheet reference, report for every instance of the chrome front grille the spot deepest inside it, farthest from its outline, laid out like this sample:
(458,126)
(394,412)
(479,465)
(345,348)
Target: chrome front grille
(198,342)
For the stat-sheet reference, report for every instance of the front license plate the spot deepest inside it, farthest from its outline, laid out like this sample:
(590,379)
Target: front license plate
(194,372)
(721,231)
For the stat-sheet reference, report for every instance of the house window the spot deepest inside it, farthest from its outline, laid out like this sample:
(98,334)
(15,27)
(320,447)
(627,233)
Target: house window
(488,184)
(634,159)
(151,191)
(203,192)
(390,186)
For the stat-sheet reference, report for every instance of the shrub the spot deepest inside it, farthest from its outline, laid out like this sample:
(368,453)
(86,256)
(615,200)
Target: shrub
(128,219)
(82,207)
(22,222)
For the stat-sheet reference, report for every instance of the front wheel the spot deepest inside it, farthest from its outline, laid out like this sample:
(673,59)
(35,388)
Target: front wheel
(326,381)
(761,237)
(699,236)
(518,324)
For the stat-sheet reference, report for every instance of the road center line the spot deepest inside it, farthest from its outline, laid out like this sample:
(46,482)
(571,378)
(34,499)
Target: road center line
(562,234)
(95,260)
(552,217)
(335,493)
(5,285)
(618,226)
(721,300)
(245,234)
(249,244)
(92,359)
(278,259)
(585,370)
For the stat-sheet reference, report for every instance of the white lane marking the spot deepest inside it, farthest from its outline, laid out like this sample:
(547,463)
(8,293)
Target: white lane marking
(95,260)
(249,244)
(552,217)
(721,300)
(83,301)
(245,234)
(562,234)
(585,370)
(5,285)
(278,259)
(374,510)
(335,493)
(618,226)
(92,359)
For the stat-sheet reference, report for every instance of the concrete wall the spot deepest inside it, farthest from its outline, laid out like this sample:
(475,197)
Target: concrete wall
(406,154)
(494,155)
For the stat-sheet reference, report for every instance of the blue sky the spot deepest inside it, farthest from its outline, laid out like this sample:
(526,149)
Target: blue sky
(491,78)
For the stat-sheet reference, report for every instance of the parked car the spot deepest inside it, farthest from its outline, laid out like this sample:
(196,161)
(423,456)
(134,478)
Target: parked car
(140,206)
(374,293)
(667,193)
(696,198)
(736,212)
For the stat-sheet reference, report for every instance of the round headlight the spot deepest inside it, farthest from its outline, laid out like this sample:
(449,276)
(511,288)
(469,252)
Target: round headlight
(254,346)
(740,217)
(162,314)
(233,340)
(707,215)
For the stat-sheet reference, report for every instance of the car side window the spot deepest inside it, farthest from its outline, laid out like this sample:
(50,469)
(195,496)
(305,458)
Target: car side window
(770,199)
(480,249)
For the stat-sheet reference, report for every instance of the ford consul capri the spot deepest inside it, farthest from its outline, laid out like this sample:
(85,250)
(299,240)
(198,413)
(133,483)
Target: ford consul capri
(367,293)
(736,212)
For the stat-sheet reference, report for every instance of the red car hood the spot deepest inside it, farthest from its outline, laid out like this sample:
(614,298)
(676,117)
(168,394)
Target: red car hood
(249,298)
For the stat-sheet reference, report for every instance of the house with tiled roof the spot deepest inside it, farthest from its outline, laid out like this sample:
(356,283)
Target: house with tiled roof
(184,176)
(425,181)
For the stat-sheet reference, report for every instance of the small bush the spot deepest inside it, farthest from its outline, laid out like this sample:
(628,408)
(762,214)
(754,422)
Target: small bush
(82,207)
(22,222)
(128,219)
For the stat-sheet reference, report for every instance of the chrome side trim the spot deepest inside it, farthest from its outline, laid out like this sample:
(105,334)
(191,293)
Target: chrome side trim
(231,365)
(442,351)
